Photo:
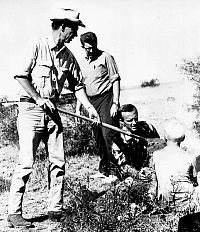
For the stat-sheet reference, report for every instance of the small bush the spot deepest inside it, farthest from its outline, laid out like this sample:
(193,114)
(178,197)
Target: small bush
(191,68)
(8,125)
(111,210)
(151,83)
(78,139)
(4,185)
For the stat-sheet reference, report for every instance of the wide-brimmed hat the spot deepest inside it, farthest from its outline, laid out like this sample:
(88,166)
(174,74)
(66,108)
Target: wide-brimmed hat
(67,14)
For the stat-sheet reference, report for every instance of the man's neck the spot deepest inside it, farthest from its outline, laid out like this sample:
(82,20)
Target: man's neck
(95,56)
(56,39)
(173,144)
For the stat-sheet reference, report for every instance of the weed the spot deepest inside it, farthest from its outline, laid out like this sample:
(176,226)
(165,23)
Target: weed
(8,125)
(4,185)
(191,69)
(78,139)
(119,208)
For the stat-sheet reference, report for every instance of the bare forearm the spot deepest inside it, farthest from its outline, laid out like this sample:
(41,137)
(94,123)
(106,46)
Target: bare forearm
(82,98)
(28,87)
(78,105)
(116,91)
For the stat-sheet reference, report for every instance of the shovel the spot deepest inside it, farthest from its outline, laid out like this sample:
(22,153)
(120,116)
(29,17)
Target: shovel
(153,144)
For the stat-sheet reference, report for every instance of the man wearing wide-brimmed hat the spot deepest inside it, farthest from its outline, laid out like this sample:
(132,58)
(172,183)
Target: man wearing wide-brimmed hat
(49,65)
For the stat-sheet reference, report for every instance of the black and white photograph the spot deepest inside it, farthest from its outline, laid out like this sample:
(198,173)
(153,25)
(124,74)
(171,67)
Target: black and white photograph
(100,115)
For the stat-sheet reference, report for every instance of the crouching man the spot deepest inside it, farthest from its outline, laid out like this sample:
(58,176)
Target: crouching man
(133,151)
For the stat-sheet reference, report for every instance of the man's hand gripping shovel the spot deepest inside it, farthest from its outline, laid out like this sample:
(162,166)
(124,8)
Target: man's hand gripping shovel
(153,144)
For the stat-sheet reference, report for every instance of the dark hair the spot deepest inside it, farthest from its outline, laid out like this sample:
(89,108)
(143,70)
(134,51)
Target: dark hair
(88,37)
(64,23)
(126,108)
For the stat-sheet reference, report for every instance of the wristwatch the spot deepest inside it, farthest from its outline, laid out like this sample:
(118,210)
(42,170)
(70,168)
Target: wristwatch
(117,104)
(89,107)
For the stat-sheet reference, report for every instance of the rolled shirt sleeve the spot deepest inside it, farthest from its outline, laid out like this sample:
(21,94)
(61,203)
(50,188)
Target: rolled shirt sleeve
(28,60)
(99,74)
(113,70)
(49,69)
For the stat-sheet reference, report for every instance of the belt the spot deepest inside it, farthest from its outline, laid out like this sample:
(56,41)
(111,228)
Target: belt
(100,95)
(27,99)
(31,100)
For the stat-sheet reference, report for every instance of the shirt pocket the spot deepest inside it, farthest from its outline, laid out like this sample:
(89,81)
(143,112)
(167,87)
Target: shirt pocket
(41,75)
(42,70)
(100,70)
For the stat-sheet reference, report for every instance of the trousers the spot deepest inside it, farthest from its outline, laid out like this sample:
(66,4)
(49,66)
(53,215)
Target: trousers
(36,125)
(104,137)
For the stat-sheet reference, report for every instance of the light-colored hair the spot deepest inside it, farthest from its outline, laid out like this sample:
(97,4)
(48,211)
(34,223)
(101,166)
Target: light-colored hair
(174,130)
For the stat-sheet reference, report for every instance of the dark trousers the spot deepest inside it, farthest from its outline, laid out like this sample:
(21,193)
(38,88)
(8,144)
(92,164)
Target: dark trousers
(103,136)
(189,223)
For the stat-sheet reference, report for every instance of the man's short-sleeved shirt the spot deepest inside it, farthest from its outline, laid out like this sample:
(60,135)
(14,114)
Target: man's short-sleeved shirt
(99,74)
(46,67)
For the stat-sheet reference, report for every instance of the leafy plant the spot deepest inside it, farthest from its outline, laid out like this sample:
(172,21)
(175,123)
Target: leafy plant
(8,125)
(119,208)
(78,139)
(191,68)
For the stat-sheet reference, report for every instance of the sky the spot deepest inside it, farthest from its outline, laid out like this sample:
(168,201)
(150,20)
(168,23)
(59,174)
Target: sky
(148,38)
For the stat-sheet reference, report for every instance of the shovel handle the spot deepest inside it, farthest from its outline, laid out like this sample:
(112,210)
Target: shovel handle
(103,124)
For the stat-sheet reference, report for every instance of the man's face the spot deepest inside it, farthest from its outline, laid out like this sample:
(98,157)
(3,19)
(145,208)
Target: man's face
(90,50)
(131,119)
(68,33)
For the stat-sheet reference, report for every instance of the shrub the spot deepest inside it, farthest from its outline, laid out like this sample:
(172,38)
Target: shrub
(111,209)
(8,125)
(191,68)
(151,83)
(4,185)
(79,140)
(78,137)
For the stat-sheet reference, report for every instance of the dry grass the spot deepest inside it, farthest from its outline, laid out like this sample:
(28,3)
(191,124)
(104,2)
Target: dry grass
(87,207)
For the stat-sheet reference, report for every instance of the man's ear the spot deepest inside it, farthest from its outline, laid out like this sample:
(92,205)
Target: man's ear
(119,114)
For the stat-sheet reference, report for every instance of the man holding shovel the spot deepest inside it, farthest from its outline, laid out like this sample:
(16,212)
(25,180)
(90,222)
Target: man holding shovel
(49,65)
